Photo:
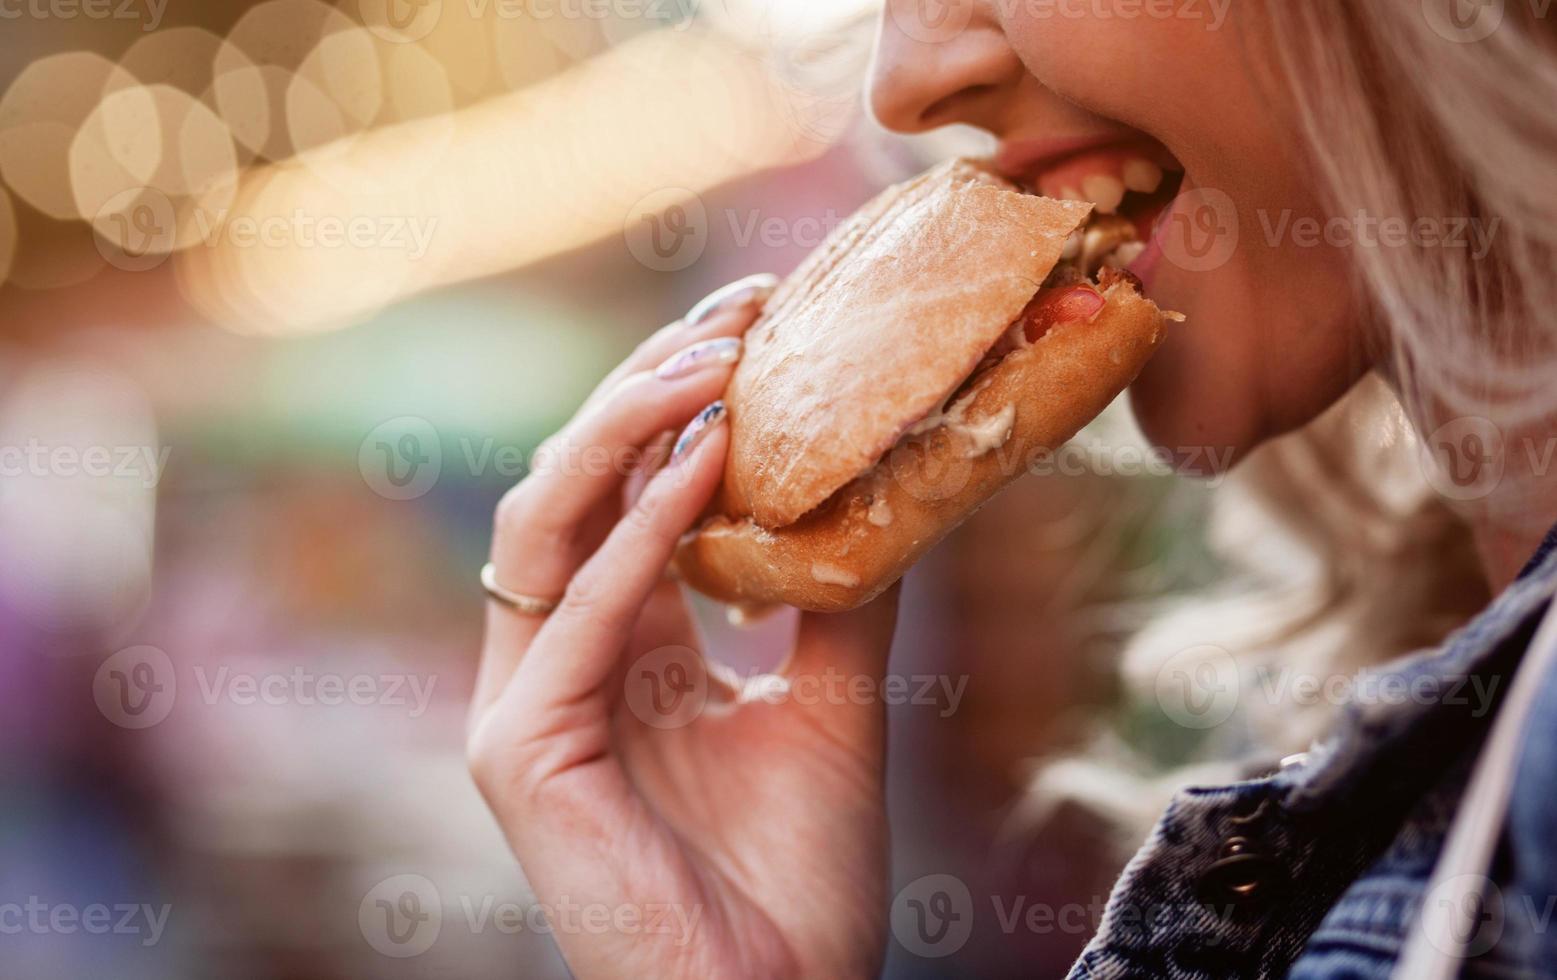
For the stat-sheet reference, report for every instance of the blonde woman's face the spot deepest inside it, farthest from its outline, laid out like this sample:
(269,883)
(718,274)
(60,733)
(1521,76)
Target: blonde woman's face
(1172,103)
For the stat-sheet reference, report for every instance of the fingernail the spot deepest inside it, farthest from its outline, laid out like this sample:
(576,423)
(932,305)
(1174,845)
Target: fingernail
(700,426)
(698,357)
(741,292)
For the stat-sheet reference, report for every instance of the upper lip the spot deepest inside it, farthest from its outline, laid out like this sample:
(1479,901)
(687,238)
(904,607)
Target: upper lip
(1020,160)
(1025,158)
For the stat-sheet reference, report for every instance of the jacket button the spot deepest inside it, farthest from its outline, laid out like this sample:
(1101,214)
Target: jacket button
(1240,879)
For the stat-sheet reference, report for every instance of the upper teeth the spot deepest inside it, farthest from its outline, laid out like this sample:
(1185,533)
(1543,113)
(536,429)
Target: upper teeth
(1072,246)
(1125,254)
(1142,176)
(1104,191)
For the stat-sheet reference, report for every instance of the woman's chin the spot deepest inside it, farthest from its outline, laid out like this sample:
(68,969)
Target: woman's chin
(1191,425)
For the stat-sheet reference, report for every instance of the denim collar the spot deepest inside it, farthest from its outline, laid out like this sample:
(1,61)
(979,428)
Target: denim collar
(1548,545)
(1447,686)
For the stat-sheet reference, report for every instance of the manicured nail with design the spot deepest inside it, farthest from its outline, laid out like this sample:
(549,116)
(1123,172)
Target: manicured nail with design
(696,429)
(741,292)
(699,357)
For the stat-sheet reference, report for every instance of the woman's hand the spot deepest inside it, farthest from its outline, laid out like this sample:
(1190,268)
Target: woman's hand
(720,836)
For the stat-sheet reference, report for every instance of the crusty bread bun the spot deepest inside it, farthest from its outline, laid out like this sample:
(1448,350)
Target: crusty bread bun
(881,399)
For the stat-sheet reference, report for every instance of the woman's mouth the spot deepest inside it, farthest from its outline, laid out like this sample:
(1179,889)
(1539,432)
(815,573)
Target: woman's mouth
(1131,185)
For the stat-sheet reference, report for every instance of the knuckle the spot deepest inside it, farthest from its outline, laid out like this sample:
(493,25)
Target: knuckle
(514,510)
(632,393)
(588,598)
(643,351)
(481,759)
(583,597)
(502,774)
(642,518)
(520,517)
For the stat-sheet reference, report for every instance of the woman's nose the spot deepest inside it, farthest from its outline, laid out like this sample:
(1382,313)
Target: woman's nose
(939,62)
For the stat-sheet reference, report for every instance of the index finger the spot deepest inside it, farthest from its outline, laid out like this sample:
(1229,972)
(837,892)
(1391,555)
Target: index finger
(726,312)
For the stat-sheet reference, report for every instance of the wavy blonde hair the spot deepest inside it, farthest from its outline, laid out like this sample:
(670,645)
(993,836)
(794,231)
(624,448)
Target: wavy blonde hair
(1361,560)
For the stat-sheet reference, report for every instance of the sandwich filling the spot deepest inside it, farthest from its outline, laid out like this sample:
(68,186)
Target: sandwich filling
(1093,262)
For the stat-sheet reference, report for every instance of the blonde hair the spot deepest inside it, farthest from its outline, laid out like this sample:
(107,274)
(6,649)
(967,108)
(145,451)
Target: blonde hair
(1361,560)
(1410,115)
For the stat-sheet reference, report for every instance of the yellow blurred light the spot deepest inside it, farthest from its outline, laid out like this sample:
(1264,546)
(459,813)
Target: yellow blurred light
(285,32)
(508,182)
(39,116)
(183,57)
(416,86)
(786,21)
(337,91)
(7,234)
(30,157)
(251,100)
(523,52)
(461,42)
(253,72)
(137,194)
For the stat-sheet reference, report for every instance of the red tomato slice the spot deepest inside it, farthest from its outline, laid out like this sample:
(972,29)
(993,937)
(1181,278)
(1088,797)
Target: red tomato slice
(1052,306)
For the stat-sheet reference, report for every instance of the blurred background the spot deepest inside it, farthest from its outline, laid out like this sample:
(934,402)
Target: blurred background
(288,293)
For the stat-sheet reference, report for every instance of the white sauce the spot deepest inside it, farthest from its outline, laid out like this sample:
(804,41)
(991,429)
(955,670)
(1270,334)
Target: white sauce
(880,513)
(948,415)
(989,434)
(833,575)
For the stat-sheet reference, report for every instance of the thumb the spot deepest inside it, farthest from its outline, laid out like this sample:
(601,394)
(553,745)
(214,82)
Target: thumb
(855,643)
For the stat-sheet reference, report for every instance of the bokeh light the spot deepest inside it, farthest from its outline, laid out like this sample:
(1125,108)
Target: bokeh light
(39,115)
(7,234)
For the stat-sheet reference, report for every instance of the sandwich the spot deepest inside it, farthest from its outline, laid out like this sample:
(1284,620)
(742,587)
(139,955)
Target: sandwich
(921,359)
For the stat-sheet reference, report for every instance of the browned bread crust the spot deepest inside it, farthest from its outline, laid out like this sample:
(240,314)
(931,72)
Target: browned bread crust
(863,538)
(877,327)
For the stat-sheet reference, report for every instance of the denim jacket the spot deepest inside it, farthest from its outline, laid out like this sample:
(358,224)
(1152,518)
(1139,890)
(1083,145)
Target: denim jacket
(1317,871)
